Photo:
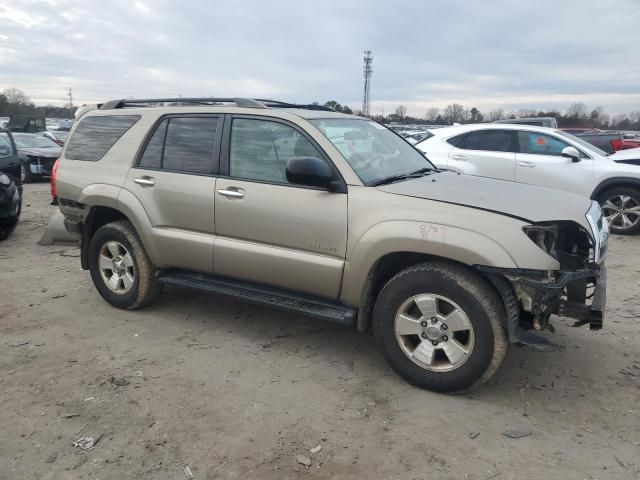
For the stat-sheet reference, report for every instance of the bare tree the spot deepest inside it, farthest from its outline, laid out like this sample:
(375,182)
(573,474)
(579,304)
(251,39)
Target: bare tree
(620,118)
(432,114)
(455,113)
(15,95)
(401,111)
(577,111)
(526,112)
(496,115)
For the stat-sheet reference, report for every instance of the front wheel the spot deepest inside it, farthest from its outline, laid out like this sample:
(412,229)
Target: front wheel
(621,206)
(120,267)
(25,174)
(441,327)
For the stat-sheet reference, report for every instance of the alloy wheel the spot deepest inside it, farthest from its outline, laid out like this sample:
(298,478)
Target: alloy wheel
(116,267)
(434,332)
(622,211)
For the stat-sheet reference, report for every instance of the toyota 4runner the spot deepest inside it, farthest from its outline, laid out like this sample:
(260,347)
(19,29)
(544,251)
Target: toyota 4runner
(333,216)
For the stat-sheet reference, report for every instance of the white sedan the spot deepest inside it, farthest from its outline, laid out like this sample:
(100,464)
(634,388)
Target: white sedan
(542,156)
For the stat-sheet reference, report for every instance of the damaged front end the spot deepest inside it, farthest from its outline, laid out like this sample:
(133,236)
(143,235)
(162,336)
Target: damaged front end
(577,290)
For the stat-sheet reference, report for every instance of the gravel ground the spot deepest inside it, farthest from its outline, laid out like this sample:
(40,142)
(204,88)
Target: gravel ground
(236,391)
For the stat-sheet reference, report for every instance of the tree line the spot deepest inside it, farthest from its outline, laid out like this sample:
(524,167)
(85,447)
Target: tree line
(14,101)
(576,115)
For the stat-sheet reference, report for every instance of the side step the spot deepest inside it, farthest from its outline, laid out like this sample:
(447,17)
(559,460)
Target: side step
(262,295)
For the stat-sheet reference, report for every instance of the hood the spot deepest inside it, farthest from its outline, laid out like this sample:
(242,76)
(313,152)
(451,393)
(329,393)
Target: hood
(526,202)
(41,152)
(626,155)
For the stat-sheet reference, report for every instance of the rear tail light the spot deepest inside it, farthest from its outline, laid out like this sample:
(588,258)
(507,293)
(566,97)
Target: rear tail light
(54,174)
(616,145)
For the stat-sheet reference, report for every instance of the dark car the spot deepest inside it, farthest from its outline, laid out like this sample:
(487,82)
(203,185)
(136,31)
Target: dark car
(10,189)
(9,160)
(37,154)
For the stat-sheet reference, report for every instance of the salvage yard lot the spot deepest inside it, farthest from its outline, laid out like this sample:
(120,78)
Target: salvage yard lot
(237,391)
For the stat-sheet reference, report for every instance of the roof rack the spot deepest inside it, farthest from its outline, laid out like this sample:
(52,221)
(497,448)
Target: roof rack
(207,101)
(278,104)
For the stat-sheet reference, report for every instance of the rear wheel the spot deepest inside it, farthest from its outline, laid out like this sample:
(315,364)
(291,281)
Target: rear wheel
(621,206)
(120,268)
(441,327)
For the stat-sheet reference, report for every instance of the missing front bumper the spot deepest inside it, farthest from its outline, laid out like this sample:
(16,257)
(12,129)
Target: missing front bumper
(531,297)
(584,314)
(569,294)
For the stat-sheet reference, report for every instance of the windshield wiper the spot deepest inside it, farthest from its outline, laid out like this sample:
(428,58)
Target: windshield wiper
(396,178)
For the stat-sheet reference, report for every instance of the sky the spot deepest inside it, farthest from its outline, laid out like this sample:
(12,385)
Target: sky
(489,54)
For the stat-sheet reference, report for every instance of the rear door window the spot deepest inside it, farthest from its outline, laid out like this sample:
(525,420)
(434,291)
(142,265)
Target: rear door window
(183,144)
(490,140)
(94,136)
(152,156)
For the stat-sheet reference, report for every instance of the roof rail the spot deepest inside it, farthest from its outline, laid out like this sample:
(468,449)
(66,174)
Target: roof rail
(278,104)
(238,101)
(179,101)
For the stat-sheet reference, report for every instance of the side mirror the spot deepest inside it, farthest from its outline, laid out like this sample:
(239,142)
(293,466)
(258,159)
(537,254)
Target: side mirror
(572,153)
(310,171)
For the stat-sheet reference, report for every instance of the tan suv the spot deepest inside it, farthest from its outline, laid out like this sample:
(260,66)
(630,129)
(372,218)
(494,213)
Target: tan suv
(333,216)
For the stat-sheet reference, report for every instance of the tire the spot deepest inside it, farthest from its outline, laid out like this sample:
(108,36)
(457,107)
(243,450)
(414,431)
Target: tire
(136,285)
(615,203)
(9,224)
(452,289)
(25,174)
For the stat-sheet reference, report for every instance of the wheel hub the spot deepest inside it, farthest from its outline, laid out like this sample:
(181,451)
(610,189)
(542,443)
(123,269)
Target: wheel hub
(433,332)
(118,265)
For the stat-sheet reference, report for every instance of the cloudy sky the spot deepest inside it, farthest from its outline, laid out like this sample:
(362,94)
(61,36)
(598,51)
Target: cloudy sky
(484,53)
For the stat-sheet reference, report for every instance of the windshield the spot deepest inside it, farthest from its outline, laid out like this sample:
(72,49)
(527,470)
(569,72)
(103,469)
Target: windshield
(26,140)
(584,144)
(373,151)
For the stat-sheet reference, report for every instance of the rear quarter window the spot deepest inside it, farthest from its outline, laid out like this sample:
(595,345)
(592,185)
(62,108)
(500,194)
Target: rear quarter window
(94,136)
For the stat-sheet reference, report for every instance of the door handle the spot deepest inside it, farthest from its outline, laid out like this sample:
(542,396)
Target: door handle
(461,158)
(524,163)
(145,181)
(231,193)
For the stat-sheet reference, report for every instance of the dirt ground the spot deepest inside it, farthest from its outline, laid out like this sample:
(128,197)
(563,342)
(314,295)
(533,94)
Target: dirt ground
(237,391)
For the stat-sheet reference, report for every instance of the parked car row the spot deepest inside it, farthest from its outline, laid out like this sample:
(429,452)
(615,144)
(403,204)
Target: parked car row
(37,155)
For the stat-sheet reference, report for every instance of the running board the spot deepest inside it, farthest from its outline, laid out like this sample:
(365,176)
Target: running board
(262,295)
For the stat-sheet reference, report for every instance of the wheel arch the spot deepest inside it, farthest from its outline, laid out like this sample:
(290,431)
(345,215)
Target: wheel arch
(127,207)
(98,216)
(615,182)
(388,266)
